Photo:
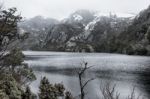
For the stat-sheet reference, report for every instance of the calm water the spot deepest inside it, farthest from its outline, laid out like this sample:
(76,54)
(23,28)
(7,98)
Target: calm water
(123,70)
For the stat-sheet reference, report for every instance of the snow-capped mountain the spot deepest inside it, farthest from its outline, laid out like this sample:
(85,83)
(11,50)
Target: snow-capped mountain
(83,30)
(90,31)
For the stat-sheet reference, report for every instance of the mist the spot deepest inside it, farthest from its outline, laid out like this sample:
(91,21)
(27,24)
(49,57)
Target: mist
(60,9)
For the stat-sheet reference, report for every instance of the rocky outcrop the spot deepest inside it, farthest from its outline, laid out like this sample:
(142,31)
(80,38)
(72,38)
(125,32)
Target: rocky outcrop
(135,39)
(86,31)
(85,34)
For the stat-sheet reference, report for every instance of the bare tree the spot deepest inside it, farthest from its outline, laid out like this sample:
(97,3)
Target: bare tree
(82,83)
(134,96)
(109,92)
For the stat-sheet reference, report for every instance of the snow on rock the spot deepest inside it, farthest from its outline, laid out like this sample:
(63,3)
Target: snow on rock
(77,17)
(91,25)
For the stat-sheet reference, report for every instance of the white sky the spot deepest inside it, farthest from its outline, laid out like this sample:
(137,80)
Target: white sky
(62,8)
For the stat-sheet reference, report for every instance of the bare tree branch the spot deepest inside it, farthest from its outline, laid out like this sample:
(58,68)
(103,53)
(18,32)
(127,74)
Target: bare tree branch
(80,75)
(87,82)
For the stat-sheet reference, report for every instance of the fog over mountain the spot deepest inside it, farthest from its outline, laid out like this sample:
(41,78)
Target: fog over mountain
(61,9)
(87,31)
(85,25)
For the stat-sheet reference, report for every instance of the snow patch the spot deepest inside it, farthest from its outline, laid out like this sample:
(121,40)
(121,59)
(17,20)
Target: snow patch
(77,17)
(91,25)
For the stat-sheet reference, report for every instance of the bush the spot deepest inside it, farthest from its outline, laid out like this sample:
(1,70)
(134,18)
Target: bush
(9,88)
(13,62)
(50,91)
(47,90)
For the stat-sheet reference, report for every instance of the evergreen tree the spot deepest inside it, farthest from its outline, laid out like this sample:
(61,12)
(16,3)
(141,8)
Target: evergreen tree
(8,27)
(28,94)
(13,71)
(50,91)
(47,90)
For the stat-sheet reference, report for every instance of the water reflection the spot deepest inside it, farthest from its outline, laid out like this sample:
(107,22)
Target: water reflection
(123,70)
(144,80)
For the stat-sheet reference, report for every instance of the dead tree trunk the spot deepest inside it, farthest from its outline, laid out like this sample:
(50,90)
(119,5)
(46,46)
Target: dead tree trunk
(83,84)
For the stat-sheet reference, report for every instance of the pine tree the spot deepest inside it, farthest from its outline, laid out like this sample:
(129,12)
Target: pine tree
(50,91)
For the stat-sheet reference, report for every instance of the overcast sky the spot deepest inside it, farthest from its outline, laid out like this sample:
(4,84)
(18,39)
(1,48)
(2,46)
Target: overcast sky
(62,8)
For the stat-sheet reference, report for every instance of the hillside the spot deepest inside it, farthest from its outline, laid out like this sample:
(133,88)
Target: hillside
(136,38)
(86,31)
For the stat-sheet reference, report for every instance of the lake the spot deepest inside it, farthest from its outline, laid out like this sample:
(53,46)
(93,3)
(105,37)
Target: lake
(125,71)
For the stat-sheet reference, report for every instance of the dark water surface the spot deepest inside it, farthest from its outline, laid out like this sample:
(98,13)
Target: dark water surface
(123,70)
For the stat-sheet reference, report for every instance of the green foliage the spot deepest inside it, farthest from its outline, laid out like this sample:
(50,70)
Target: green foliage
(3,95)
(28,94)
(13,71)
(20,71)
(47,90)
(68,95)
(14,58)
(50,91)
(60,89)
(24,74)
(9,88)
(8,26)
